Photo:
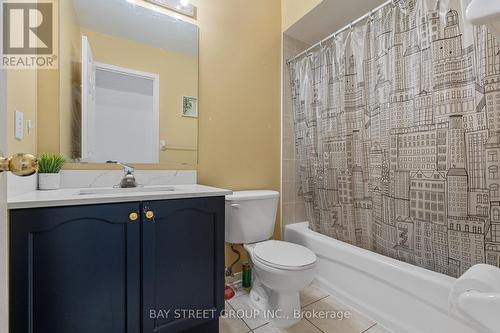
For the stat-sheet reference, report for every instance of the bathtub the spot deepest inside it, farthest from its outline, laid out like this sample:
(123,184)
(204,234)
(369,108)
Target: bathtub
(402,297)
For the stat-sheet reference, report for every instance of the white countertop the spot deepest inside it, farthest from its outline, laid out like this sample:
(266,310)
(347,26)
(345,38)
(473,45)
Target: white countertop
(72,196)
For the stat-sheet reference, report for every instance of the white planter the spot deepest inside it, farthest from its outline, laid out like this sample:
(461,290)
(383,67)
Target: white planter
(49,181)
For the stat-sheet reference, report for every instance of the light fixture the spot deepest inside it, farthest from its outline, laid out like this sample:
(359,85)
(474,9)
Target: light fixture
(179,6)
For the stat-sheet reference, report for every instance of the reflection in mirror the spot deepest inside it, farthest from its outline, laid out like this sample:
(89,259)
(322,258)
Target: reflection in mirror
(129,84)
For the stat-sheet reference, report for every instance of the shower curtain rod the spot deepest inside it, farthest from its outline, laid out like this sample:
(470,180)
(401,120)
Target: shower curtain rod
(350,25)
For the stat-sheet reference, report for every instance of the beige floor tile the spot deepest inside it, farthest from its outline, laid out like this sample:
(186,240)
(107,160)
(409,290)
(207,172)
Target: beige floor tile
(378,329)
(230,324)
(356,322)
(311,294)
(301,327)
(250,315)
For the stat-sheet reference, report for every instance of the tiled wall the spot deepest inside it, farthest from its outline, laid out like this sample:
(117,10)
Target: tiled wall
(291,199)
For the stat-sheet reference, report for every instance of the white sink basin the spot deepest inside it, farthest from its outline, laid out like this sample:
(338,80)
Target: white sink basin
(117,190)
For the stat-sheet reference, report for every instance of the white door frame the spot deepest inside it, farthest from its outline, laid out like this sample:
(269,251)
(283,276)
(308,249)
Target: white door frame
(156,95)
(4,239)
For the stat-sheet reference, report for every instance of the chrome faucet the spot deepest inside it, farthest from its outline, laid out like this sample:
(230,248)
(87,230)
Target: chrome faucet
(128,180)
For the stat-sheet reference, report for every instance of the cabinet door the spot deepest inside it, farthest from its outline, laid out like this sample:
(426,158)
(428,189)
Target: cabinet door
(183,264)
(75,269)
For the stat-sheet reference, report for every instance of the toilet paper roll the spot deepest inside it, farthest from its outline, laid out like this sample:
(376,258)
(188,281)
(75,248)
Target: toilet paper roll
(482,278)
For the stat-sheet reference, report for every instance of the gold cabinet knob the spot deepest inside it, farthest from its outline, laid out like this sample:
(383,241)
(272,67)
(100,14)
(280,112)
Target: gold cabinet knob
(133,216)
(19,164)
(150,214)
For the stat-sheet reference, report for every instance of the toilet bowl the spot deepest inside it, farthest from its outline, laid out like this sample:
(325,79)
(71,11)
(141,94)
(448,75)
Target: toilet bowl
(280,269)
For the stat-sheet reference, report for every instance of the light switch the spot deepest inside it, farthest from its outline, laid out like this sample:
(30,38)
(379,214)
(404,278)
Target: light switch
(19,125)
(163,145)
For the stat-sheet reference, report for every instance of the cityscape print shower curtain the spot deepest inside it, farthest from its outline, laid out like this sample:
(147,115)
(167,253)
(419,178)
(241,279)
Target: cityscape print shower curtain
(397,133)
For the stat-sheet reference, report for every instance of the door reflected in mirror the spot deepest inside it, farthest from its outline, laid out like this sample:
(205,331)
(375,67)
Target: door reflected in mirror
(128,84)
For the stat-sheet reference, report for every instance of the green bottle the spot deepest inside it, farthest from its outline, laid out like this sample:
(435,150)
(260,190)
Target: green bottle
(247,275)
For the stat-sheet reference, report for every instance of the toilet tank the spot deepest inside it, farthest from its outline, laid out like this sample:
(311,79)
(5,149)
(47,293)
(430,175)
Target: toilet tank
(250,216)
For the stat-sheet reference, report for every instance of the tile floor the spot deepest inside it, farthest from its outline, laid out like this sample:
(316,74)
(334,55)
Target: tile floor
(311,299)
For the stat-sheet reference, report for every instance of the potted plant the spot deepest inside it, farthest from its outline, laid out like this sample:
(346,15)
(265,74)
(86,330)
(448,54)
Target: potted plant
(49,166)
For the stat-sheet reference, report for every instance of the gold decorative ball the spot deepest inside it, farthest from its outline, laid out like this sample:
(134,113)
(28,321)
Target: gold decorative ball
(23,164)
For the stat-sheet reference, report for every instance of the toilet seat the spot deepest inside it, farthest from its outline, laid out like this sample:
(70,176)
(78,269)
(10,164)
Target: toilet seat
(284,255)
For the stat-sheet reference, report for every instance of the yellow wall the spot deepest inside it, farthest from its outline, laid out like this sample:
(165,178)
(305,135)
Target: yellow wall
(239,93)
(55,100)
(239,139)
(21,96)
(48,111)
(178,77)
(294,10)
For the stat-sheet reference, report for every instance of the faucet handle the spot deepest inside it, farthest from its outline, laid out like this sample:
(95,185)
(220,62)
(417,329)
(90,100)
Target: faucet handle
(128,179)
(127,168)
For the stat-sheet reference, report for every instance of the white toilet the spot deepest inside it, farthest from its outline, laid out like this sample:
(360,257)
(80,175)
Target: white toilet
(280,269)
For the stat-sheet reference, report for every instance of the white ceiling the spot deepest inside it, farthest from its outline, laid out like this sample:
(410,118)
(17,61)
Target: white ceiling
(328,17)
(123,18)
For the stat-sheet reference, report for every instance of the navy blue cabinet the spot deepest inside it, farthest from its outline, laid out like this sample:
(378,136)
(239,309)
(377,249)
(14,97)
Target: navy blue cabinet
(97,269)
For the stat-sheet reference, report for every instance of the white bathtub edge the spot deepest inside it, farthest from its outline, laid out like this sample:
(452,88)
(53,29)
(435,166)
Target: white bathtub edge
(424,292)
(363,307)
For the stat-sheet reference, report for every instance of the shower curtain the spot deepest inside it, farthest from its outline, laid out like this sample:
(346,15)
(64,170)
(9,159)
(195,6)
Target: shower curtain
(397,134)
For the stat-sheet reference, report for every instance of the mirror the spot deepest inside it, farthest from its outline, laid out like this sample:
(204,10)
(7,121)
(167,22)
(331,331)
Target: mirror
(128,83)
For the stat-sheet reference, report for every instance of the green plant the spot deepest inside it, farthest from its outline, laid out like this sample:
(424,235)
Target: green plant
(50,163)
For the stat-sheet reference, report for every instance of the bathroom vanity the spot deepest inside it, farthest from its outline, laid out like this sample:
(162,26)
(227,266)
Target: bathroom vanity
(105,262)
(90,258)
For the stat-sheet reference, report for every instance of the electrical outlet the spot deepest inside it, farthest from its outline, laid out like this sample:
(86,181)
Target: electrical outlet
(19,125)
(29,125)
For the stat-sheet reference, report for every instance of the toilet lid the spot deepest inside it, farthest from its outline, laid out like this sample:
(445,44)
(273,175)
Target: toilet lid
(284,254)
